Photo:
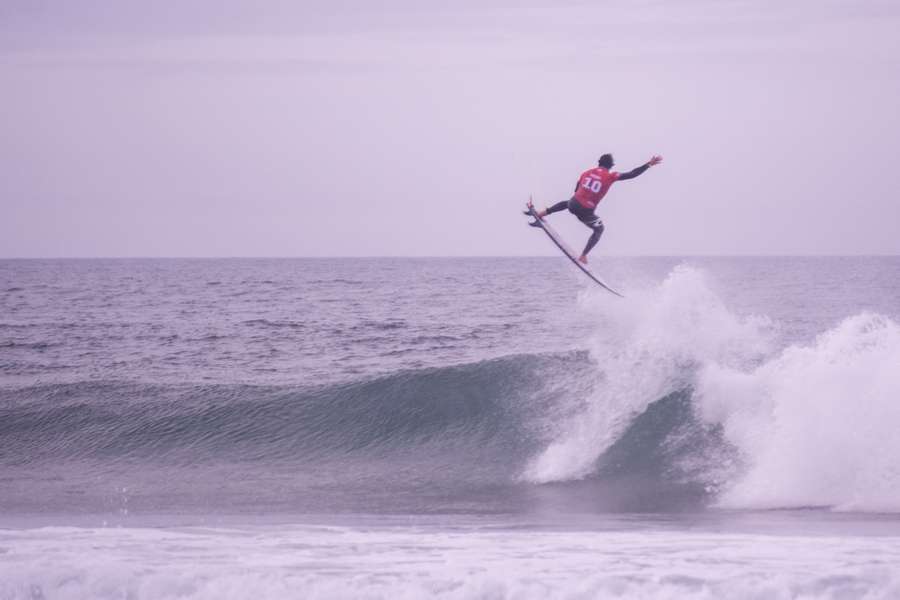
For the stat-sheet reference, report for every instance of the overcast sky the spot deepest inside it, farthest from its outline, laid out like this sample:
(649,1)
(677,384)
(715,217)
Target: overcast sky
(405,127)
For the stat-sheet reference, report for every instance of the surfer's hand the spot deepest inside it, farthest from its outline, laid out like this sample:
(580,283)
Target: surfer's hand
(655,160)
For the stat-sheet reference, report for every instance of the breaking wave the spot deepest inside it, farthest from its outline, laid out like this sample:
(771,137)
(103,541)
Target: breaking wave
(760,426)
(676,398)
(817,423)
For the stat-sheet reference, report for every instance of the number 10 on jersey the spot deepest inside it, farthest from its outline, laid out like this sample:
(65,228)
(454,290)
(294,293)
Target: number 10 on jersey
(592,184)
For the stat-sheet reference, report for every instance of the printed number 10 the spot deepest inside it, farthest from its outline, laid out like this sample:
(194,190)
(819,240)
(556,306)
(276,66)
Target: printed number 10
(592,184)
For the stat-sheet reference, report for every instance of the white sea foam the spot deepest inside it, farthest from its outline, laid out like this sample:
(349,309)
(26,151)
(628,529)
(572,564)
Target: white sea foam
(411,563)
(645,348)
(817,424)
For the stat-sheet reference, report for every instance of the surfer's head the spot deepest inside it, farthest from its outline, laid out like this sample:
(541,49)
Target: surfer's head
(606,161)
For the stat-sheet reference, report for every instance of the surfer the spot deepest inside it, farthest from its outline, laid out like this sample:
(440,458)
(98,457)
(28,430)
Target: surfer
(592,185)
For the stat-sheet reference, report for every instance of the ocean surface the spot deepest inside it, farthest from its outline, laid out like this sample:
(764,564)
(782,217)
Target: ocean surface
(454,428)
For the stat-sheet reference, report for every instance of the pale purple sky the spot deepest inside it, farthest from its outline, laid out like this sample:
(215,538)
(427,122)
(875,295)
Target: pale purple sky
(401,127)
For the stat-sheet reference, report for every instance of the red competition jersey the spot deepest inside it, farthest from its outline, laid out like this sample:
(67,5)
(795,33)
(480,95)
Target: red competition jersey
(593,185)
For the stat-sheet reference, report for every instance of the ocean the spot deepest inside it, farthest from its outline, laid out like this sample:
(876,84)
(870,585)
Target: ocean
(450,427)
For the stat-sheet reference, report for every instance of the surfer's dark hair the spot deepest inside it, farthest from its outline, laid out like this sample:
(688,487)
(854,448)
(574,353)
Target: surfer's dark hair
(606,161)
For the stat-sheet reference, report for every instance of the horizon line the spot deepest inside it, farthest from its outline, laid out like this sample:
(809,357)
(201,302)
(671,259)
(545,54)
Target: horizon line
(437,256)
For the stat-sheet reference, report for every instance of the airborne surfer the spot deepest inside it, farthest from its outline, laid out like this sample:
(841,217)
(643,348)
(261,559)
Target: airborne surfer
(590,189)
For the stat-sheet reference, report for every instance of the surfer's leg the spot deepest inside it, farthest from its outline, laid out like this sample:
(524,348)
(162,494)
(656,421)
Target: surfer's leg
(587,216)
(594,222)
(597,226)
(543,213)
(556,208)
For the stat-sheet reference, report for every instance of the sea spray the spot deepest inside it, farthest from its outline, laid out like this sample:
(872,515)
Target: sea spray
(644,349)
(817,424)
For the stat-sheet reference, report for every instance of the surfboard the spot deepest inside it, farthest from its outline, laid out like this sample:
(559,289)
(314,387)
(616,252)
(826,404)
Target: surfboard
(551,233)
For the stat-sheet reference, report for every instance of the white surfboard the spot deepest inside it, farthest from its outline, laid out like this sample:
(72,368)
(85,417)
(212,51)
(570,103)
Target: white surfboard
(568,251)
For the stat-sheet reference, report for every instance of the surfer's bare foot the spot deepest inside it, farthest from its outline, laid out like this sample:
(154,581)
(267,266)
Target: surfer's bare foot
(582,259)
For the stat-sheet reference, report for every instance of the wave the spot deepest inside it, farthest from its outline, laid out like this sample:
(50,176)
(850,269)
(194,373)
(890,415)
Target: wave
(488,405)
(749,424)
(817,422)
(677,399)
(457,427)
(646,349)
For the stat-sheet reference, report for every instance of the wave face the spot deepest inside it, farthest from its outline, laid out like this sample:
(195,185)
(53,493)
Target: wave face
(486,403)
(457,430)
(438,430)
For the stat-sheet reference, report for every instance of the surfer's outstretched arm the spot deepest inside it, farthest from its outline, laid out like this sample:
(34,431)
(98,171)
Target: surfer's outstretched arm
(640,170)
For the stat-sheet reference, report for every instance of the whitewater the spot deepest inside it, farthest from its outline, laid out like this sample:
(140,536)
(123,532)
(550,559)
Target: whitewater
(457,428)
